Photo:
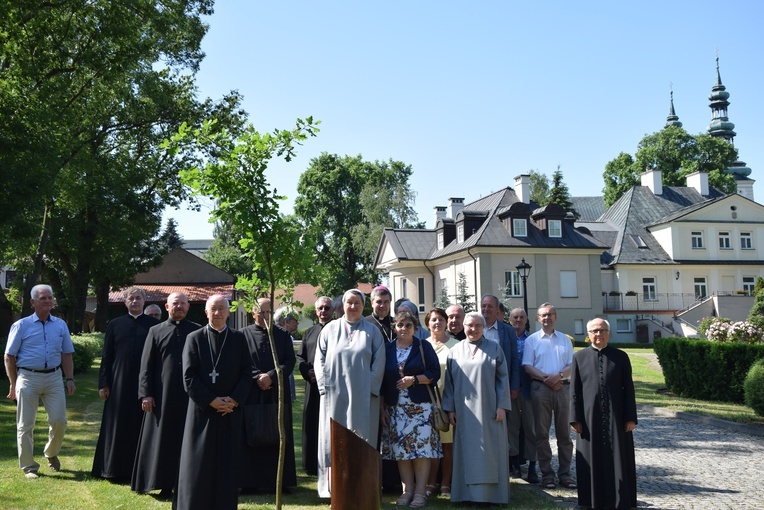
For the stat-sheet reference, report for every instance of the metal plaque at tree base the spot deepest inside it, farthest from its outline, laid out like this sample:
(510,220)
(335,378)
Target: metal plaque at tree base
(355,471)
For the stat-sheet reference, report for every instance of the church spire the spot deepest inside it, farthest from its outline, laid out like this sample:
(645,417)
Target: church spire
(673,118)
(720,125)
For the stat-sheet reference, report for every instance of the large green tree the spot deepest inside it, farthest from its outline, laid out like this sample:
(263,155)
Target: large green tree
(330,205)
(89,89)
(676,154)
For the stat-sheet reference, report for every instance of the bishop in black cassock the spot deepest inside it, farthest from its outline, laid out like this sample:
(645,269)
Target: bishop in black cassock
(305,356)
(258,465)
(217,374)
(603,412)
(118,387)
(163,399)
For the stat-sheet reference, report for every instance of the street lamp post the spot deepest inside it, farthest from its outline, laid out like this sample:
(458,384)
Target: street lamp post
(525,269)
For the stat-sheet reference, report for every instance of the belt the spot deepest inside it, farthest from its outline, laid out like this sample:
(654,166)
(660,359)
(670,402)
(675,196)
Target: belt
(44,371)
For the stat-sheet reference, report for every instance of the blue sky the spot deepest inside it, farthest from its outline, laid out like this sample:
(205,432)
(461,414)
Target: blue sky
(472,94)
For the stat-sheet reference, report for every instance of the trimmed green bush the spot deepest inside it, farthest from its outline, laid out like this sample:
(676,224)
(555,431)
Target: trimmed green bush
(697,368)
(754,388)
(87,347)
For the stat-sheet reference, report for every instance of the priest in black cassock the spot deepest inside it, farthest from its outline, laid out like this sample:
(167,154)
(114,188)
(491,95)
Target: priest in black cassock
(258,464)
(310,409)
(118,388)
(603,412)
(163,400)
(217,374)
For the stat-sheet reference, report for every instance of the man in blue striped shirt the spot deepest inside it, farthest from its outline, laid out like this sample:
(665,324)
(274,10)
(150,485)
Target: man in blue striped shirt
(39,348)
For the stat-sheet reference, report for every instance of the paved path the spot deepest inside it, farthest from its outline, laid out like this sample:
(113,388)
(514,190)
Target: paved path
(687,464)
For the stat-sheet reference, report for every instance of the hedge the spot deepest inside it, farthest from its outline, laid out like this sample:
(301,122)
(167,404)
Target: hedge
(87,347)
(698,368)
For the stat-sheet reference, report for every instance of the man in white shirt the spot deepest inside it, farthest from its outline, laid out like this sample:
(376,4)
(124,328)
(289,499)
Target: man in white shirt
(547,358)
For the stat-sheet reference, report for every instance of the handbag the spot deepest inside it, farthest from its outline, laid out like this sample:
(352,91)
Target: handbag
(261,422)
(438,416)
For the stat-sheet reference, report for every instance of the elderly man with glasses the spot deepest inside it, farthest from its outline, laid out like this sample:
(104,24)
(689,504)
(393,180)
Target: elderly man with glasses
(603,413)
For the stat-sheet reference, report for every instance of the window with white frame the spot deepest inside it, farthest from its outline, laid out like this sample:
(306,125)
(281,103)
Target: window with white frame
(746,241)
(519,227)
(568,284)
(578,326)
(749,282)
(725,243)
(421,294)
(700,286)
(697,240)
(649,288)
(513,283)
(623,325)
(404,286)
(460,234)
(440,240)
(555,228)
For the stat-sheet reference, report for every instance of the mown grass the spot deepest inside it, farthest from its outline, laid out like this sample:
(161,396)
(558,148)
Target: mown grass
(73,487)
(651,389)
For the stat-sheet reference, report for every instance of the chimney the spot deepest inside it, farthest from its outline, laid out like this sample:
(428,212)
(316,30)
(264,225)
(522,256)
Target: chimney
(454,206)
(440,212)
(699,181)
(523,188)
(652,179)
(745,188)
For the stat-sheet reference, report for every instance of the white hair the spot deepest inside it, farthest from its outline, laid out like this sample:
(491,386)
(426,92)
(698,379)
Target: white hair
(600,319)
(41,286)
(477,315)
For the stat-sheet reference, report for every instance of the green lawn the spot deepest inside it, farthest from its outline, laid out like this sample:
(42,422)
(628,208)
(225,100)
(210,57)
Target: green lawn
(651,389)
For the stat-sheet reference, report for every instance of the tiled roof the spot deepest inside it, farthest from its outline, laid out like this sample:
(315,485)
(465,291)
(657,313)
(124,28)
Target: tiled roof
(197,293)
(421,244)
(637,210)
(588,208)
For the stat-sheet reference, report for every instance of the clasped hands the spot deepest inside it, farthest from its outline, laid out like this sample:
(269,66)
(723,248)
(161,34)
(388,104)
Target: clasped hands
(224,405)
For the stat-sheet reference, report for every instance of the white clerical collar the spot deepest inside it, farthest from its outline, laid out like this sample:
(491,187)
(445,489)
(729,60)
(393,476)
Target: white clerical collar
(134,316)
(216,331)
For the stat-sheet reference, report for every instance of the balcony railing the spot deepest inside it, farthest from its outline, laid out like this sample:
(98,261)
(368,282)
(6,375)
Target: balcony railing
(642,302)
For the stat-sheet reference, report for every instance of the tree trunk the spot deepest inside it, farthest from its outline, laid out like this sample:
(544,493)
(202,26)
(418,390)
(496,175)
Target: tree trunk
(6,314)
(31,281)
(102,289)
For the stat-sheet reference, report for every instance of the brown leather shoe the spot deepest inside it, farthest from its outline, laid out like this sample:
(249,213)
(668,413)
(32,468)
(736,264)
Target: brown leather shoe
(54,464)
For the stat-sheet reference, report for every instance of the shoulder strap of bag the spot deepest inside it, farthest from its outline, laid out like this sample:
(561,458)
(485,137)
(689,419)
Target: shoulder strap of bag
(434,398)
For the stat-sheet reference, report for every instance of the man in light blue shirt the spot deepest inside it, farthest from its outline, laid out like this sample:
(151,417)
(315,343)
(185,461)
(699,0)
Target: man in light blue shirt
(39,348)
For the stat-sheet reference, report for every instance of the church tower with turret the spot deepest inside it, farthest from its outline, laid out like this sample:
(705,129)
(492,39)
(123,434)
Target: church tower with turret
(721,127)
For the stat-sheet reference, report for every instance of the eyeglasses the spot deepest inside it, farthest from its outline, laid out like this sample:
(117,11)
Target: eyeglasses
(407,325)
(325,307)
(547,314)
(598,331)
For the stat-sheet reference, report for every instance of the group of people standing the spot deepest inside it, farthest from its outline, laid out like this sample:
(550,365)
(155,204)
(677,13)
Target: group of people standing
(187,430)
(499,385)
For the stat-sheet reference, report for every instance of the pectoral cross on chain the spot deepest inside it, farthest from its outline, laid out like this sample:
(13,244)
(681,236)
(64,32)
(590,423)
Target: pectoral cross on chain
(214,375)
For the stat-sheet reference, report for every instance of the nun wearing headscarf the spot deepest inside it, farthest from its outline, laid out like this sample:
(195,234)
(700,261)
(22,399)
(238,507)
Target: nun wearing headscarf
(349,366)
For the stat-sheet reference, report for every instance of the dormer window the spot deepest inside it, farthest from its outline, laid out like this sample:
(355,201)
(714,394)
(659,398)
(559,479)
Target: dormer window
(519,227)
(440,240)
(460,233)
(555,228)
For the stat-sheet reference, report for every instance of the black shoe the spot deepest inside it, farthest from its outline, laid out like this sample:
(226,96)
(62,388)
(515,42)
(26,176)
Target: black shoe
(165,494)
(532,476)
